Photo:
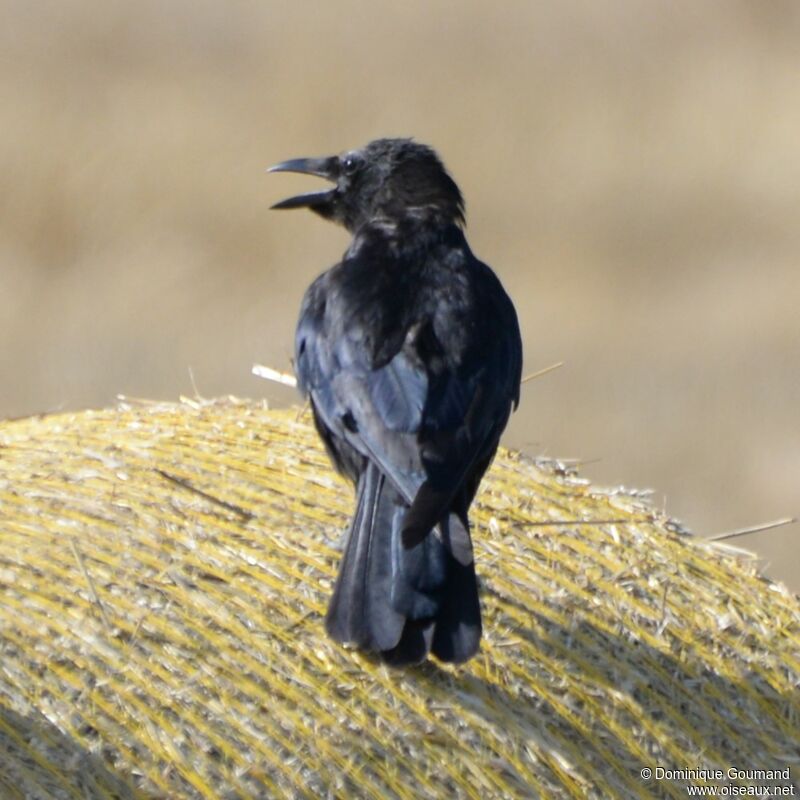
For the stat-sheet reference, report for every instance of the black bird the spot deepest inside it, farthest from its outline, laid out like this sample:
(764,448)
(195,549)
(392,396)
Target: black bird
(409,350)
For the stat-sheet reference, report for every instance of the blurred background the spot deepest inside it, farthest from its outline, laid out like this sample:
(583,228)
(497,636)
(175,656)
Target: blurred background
(631,170)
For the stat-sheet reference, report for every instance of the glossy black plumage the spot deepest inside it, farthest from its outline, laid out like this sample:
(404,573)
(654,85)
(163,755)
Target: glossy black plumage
(409,350)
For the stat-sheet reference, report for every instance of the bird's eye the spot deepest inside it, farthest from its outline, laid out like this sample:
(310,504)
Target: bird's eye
(350,164)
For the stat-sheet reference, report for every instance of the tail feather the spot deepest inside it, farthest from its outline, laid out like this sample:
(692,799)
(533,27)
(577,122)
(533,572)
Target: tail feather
(359,612)
(414,644)
(421,572)
(404,601)
(458,628)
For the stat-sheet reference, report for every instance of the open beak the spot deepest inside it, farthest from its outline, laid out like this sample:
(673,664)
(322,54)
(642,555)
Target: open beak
(327,168)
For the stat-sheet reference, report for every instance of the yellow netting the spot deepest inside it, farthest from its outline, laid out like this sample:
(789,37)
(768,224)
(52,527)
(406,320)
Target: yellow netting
(164,569)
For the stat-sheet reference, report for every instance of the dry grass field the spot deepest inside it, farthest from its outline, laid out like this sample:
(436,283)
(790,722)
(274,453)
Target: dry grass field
(632,171)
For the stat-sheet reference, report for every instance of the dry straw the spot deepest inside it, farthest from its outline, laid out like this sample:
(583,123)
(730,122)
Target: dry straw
(163,573)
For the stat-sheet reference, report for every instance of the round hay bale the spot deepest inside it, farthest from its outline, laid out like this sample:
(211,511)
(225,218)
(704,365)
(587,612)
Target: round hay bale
(164,569)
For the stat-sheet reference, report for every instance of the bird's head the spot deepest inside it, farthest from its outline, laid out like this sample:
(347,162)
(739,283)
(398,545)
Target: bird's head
(389,179)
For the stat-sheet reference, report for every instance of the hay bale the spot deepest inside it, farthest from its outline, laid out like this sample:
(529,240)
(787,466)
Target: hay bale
(165,567)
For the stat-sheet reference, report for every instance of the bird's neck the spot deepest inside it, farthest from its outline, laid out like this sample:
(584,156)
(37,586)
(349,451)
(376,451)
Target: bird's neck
(409,233)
